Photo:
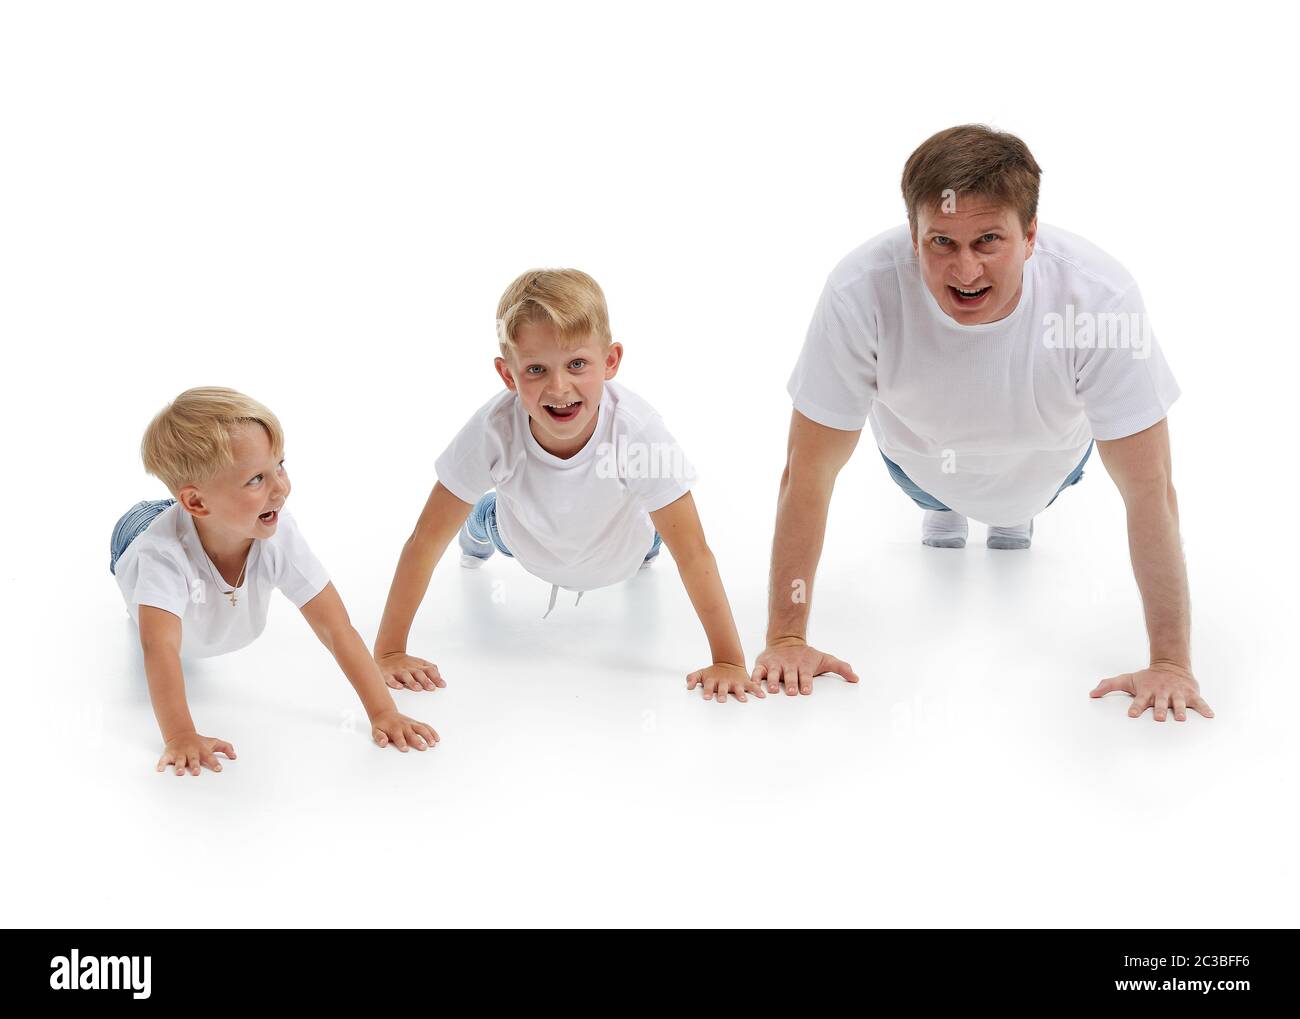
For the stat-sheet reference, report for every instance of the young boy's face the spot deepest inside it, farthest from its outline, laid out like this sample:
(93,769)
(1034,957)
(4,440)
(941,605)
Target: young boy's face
(560,388)
(244,500)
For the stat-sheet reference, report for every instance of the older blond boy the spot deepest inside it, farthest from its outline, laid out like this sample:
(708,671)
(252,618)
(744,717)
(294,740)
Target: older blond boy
(197,571)
(569,473)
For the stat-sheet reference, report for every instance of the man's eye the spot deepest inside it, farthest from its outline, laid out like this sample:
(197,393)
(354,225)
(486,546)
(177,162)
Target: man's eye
(989,238)
(941,241)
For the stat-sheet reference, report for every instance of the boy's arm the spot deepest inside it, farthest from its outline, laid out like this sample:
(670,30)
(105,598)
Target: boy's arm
(328,617)
(441,518)
(184,749)
(1141,468)
(815,454)
(679,526)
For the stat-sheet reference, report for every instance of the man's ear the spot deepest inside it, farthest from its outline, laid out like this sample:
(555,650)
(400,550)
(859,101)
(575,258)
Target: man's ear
(613,358)
(1030,234)
(191,500)
(503,370)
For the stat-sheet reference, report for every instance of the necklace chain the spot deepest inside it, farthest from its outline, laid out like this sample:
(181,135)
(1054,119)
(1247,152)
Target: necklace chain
(233,595)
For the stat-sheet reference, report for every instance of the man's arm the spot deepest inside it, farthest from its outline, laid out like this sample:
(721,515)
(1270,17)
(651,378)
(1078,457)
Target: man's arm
(814,456)
(440,520)
(678,524)
(329,619)
(1140,467)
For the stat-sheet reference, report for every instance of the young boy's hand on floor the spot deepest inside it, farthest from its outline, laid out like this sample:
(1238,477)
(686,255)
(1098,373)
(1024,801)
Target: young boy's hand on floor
(391,727)
(407,672)
(189,751)
(721,679)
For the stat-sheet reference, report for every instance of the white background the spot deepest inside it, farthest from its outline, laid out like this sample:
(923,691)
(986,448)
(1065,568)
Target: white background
(320,203)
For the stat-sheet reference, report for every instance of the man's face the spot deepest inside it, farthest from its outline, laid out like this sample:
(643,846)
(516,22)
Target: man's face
(560,388)
(244,500)
(973,258)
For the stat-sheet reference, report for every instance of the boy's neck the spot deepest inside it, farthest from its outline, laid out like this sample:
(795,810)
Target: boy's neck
(567,449)
(226,552)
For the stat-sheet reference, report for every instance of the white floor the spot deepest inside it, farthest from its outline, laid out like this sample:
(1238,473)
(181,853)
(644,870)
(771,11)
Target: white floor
(967,780)
(321,207)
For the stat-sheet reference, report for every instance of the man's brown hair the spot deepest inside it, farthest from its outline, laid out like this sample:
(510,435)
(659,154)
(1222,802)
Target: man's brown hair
(972,159)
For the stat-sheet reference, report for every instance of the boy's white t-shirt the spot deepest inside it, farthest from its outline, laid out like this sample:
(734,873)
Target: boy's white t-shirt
(581,522)
(989,419)
(166,566)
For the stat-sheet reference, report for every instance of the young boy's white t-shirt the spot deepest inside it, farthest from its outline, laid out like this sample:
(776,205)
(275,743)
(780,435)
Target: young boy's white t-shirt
(166,566)
(989,419)
(581,522)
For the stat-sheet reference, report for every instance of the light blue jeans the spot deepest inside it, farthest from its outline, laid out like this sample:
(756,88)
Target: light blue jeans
(928,502)
(131,525)
(479,535)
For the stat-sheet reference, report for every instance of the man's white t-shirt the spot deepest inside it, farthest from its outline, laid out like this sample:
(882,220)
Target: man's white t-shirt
(166,566)
(581,522)
(989,419)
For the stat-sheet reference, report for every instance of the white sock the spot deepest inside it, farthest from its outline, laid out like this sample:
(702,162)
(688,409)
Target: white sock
(1011,537)
(944,529)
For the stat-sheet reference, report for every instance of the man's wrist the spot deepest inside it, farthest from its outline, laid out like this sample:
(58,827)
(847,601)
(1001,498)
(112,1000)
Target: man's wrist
(787,640)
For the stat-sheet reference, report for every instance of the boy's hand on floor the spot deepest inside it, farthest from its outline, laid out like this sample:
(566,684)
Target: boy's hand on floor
(190,751)
(391,728)
(1161,687)
(407,672)
(792,660)
(723,679)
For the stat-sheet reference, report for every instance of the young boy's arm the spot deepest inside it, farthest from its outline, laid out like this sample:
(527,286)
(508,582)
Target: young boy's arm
(441,518)
(329,619)
(679,526)
(184,749)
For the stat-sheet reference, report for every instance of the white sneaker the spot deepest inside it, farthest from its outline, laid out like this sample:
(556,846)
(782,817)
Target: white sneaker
(1011,537)
(944,529)
(471,562)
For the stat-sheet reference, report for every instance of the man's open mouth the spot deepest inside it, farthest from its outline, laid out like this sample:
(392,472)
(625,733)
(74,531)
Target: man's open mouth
(969,296)
(269,517)
(563,411)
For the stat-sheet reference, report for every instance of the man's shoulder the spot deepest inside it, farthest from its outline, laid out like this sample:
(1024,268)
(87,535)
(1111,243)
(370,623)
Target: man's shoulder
(884,253)
(1073,261)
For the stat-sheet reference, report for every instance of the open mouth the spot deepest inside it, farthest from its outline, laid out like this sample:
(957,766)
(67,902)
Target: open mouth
(269,517)
(969,297)
(563,411)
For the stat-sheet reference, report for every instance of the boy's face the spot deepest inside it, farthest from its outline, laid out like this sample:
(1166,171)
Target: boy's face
(978,248)
(560,389)
(244,500)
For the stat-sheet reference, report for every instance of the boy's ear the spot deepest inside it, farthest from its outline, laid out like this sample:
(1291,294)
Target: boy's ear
(191,501)
(613,358)
(503,370)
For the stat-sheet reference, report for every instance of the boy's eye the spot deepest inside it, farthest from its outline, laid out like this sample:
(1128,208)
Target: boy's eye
(578,364)
(255,479)
(534,369)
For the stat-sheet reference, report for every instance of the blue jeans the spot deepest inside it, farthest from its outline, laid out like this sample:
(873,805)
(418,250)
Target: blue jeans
(481,527)
(131,525)
(928,502)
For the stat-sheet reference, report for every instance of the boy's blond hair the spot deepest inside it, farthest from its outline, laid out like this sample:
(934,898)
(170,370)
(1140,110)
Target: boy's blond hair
(567,299)
(189,441)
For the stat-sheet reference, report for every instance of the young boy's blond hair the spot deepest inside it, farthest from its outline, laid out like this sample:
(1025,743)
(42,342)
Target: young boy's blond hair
(189,441)
(567,299)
